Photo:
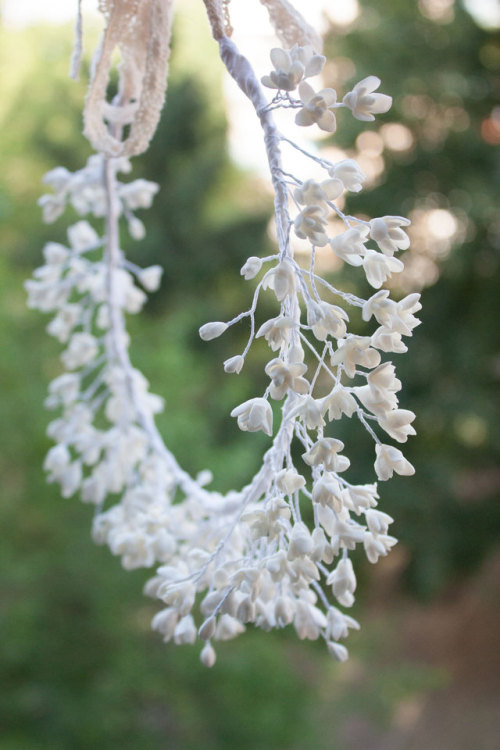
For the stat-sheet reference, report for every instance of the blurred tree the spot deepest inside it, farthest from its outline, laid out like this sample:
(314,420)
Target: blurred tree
(434,160)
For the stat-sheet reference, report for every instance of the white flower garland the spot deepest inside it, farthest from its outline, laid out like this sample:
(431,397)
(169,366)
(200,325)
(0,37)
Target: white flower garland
(250,554)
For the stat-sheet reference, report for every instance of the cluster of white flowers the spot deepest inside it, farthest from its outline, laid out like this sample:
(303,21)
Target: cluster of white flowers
(275,553)
(292,66)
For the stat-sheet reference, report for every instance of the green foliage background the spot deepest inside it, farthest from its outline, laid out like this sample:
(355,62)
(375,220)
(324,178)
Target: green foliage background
(80,666)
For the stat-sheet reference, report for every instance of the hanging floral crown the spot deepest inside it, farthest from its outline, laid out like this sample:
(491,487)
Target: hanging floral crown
(276,552)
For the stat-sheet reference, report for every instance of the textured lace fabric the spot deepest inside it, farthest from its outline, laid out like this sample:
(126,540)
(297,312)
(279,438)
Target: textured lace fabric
(290,26)
(142,32)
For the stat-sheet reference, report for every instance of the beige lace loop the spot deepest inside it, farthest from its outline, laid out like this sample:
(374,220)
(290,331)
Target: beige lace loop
(291,28)
(141,30)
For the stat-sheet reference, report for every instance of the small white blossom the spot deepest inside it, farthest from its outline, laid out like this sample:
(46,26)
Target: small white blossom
(281,280)
(276,331)
(339,402)
(254,415)
(343,582)
(286,376)
(308,410)
(364,103)
(388,234)
(82,236)
(397,424)
(234,364)
(389,460)
(360,497)
(314,193)
(388,341)
(251,268)
(327,492)
(52,207)
(394,316)
(150,277)
(289,481)
(317,108)
(338,624)
(349,173)
(83,348)
(185,631)
(324,452)
(378,522)
(291,66)
(55,253)
(138,194)
(377,545)
(355,350)
(350,245)
(310,224)
(379,267)
(329,320)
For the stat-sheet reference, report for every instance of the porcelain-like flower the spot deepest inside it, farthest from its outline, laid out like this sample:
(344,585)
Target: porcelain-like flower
(286,376)
(343,582)
(310,224)
(254,415)
(281,280)
(355,350)
(251,268)
(325,452)
(329,320)
(276,331)
(379,267)
(377,545)
(339,402)
(349,173)
(364,103)
(387,233)
(317,108)
(308,410)
(291,66)
(398,425)
(350,245)
(389,460)
(314,193)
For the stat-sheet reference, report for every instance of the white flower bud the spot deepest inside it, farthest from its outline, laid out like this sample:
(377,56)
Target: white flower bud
(253,415)
(251,268)
(339,652)
(208,656)
(234,364)
(136,228)
(150,277)
(350,174)
(54,253)
(211,331)
(57,460)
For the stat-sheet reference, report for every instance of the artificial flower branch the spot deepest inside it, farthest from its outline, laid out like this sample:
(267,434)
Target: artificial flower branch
(268,553)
